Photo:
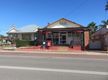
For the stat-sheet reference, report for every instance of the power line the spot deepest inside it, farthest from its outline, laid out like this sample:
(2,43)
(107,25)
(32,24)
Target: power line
(82,4)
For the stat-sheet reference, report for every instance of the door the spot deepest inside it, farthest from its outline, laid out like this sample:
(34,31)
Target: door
(63,38)
(55,38)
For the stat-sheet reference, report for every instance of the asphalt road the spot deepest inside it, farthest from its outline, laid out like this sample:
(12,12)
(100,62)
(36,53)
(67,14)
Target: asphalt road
(18,67)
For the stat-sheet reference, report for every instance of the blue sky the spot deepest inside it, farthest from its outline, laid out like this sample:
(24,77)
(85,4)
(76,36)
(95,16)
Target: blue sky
(41,12)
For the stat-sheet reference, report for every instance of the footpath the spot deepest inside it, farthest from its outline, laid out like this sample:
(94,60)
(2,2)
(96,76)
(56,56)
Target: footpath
(53,52)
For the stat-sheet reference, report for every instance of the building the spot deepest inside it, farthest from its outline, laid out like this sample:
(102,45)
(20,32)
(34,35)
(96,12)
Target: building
(100,39)
(28,32)
(63,32)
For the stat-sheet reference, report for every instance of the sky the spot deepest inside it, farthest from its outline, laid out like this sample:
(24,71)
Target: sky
(41,12)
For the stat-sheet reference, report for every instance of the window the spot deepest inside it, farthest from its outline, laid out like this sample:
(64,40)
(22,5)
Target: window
(73,34)
(26,36)
(13,35)
(55,35)
(77,35)
(69,34)
(49,35)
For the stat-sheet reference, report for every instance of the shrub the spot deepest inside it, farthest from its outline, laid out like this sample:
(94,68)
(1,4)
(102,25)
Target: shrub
(33,43)
(22,43)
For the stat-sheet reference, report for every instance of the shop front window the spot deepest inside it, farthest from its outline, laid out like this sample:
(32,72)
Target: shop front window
(55,35)
(49,35)
(69,34)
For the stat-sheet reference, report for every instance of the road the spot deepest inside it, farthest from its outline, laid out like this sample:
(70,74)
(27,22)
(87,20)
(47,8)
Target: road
(20,67)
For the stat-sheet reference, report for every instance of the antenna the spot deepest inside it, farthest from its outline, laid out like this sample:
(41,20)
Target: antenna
(13,26)
(106,9)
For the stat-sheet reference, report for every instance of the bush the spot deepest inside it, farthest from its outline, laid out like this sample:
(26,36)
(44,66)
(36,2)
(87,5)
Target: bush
(33,43)
(22,43)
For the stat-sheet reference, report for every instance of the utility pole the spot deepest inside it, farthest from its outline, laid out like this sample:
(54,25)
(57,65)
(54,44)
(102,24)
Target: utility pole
(106,6)
(106,9)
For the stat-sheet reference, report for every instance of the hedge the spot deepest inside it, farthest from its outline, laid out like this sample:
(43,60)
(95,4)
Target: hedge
(23,43)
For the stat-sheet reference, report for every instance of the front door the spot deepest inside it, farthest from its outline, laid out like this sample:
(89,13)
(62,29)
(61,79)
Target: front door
(63,38)
(55,38)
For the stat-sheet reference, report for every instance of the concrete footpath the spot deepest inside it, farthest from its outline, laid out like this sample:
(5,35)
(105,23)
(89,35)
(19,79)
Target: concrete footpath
(104,53)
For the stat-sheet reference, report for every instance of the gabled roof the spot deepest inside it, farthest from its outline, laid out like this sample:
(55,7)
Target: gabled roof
(66,26)
(13,30)
(25,29)
(101,31)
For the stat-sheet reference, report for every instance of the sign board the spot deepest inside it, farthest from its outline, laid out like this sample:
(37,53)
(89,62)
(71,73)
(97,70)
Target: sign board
(107,26)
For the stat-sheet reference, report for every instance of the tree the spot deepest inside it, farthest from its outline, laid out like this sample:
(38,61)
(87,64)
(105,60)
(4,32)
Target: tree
(104,23)
(1,36)
(93,28)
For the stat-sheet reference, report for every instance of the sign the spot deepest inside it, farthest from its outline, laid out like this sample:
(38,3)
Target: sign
(107,26)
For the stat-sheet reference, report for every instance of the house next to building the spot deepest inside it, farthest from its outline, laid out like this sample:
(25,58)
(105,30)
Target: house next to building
(100,39)
(25,33)
(60,32)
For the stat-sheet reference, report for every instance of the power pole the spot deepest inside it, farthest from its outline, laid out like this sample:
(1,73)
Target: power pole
(106,6)
(106,9)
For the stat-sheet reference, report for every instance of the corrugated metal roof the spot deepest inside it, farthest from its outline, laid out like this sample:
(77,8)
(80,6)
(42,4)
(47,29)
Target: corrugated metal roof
(25,29)
(29,28)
